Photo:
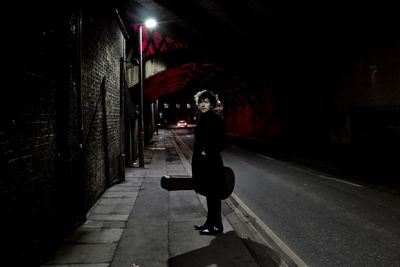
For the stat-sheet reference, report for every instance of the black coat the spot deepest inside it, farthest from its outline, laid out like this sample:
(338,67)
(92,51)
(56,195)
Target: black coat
(207,170)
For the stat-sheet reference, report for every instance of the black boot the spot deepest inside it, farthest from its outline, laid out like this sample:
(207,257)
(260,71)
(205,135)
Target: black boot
(213,230)
(202,227)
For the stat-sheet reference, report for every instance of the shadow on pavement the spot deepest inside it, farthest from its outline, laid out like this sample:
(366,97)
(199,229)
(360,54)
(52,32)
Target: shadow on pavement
(264,256)
(227,250)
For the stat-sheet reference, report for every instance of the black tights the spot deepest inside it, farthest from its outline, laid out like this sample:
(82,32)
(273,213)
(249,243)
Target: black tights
(214,211)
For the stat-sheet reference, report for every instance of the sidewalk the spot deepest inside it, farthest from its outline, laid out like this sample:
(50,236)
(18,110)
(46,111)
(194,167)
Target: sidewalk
(137,223)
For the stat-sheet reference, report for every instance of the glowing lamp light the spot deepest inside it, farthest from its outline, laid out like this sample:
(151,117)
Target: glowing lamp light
(150,23)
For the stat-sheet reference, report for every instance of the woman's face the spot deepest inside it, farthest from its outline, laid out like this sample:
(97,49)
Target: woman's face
(204,105)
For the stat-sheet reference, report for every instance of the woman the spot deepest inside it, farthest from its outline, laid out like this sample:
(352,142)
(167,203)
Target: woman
(207,165)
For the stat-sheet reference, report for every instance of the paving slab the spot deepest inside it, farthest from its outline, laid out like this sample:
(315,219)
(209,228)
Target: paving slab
(108,217)
(119,194)
(95,235)
(114,209)
(104,224)
(134,172)
(105,201)
(129,181)
(176,169)
(144,241)
(124,188)
(78,265)
(139,223)
(83,253)
(184,206)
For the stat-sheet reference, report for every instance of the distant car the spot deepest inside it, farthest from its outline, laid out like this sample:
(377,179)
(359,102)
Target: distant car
(181,124)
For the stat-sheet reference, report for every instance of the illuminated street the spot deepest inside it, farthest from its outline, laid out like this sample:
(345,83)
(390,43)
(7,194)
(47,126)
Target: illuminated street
(118,117)
(325,220)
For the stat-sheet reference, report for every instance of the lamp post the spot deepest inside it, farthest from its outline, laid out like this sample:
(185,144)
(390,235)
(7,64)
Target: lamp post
(150,23)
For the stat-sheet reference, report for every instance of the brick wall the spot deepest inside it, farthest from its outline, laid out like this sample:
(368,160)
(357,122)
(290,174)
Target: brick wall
(27,137)
(42,190)
(104,44)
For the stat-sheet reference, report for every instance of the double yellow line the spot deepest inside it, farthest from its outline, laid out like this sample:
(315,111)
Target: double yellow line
(256,225)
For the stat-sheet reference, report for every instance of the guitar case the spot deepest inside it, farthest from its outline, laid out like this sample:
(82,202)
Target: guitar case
(186,183)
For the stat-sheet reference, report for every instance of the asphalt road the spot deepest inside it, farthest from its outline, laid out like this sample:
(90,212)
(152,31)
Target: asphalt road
(326,221)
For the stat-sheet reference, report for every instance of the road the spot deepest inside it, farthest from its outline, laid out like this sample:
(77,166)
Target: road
(324,220)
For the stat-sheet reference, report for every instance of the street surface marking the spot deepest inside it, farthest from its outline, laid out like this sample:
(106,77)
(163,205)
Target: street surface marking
(315,173)
(290,253)
(260,155)
(183,143)
(293,256)
(338,180)
(185,162)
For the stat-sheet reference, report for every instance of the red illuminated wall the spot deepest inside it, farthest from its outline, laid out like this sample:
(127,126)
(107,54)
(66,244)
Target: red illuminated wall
(259,119)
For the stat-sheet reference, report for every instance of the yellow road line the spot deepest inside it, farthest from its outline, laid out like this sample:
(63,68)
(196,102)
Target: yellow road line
(277,241)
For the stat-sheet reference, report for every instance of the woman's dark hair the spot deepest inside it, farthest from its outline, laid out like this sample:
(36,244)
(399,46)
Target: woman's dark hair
(200,96)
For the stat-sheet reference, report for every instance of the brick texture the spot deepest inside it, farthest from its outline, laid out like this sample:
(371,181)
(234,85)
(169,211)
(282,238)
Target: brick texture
(40,165)
(103,42)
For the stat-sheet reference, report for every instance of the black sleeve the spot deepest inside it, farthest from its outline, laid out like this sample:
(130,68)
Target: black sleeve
(216,138)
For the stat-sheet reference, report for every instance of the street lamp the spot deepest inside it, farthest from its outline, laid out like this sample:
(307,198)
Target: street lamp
(150,23)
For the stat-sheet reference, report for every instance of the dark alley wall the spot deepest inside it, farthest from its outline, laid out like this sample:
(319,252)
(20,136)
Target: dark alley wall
(348,99)
(366,100)
(103,45)
(47,182)
(28,141)
(259,118)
